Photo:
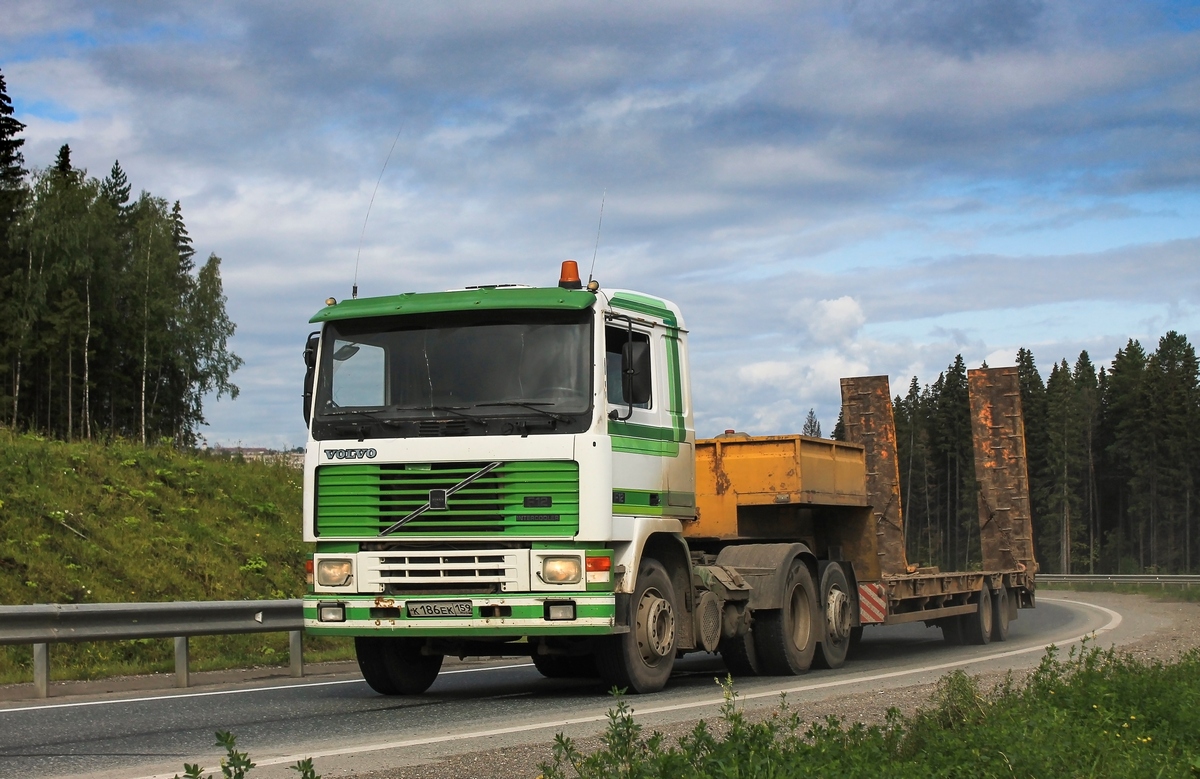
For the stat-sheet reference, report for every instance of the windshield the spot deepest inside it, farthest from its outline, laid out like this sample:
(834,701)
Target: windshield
(487,372)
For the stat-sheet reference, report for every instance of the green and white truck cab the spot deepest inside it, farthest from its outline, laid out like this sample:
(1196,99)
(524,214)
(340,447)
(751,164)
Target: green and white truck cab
(501,470)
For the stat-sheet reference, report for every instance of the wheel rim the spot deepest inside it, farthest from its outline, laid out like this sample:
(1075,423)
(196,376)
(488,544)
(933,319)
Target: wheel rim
(837,613)
(655,626)
(801,618)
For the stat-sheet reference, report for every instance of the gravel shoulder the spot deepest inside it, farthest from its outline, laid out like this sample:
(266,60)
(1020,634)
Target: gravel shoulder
(865,707)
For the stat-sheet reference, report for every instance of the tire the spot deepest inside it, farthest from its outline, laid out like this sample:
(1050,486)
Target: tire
(395,666)
(952,630)
(977,627)
(641,660)
(1000,615)
(739,655)
(565,667)
(856,635)
(785,639)
(835,625)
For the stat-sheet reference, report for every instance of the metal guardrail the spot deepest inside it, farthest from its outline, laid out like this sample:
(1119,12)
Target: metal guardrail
(44,624)
(1165,580)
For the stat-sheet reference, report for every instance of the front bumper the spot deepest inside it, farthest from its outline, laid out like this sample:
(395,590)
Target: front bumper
(524,615)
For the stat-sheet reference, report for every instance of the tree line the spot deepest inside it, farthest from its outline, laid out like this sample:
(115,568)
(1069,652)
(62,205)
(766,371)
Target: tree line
(111,329)
(1113,456)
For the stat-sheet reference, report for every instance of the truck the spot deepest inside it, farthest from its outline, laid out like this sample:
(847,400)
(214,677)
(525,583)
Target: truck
(507,470)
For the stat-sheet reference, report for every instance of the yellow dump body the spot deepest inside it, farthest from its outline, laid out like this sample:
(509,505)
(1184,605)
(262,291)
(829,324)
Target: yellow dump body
(842,499)
(783,470)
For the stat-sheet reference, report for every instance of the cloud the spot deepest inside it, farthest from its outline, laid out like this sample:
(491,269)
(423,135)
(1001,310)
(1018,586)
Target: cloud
(825,187)
(963,28)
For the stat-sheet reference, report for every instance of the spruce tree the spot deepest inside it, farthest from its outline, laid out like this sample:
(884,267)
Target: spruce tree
(812,426)
(115,187)
(1087,398)
(12,166)
(62,163)
(1128,446)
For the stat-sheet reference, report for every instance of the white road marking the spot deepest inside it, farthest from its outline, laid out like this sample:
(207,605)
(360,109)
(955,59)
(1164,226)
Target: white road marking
(177,696)
(1113,622)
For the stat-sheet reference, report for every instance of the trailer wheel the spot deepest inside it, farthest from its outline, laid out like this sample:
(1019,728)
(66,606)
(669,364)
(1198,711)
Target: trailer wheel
(395,666)
(837,618)
(564,667)
(952,630)
(1000,615)
(641,660)
(786,638)
(977,627)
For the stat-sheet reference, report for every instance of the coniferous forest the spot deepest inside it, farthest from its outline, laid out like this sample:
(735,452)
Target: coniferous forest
(1113,455)
(111,327)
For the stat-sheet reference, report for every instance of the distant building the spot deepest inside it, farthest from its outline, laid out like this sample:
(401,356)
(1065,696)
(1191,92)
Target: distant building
(293,459)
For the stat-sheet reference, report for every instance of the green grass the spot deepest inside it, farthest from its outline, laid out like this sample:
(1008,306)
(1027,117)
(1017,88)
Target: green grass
(1167,593)
(116,522)
(1094,714)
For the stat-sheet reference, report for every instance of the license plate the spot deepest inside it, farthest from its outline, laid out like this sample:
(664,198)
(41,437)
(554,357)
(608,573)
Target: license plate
(441,608)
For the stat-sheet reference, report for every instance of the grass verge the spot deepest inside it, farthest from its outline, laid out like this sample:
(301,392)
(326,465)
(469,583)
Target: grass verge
(1093,714)
(117,522)
(1172,593)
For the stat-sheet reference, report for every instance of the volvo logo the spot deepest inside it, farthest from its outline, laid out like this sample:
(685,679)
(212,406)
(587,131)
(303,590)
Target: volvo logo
(350,454)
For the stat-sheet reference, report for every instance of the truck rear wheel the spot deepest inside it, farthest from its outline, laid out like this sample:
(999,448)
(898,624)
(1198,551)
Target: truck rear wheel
(641,660)
(395,666)
(977,627)
(836,619)
(739,655)
(786,638)
(1000,615)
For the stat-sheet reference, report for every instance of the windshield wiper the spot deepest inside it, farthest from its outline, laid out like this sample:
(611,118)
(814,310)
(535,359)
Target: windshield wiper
(532,406)
(455,410)
(363,412)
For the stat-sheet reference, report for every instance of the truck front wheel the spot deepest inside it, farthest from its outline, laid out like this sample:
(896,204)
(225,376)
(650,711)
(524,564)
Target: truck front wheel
(395,666)
(786,638)
(641,660)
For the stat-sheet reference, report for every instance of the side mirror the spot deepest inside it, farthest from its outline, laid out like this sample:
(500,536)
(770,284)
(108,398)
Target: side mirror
(310,362)
(635,372)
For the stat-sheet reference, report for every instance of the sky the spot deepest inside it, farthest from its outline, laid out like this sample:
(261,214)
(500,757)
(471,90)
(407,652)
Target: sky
(827,189)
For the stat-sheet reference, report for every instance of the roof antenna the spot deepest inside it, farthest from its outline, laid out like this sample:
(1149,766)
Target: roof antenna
(358,254)
(596,248)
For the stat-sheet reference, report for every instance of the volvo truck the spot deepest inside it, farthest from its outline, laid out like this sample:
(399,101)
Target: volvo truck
(511,470)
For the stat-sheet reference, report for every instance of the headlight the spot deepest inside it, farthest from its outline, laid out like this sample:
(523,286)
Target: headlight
(560,570)
(334,573)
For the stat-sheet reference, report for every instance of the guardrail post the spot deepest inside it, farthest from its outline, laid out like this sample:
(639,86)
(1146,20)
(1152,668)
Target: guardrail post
(296,651)
(181,661)
(41,670)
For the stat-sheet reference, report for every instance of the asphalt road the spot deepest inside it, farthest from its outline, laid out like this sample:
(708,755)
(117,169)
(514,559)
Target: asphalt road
(349,728)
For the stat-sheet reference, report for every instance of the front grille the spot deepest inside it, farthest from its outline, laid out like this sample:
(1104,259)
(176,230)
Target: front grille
(430,572)
(361,500)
